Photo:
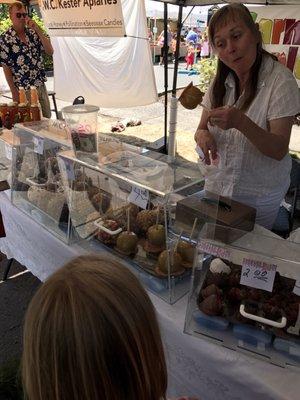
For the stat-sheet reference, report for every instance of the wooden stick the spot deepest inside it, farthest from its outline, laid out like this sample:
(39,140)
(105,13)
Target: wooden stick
(178,239)
(157,217)
(193,228)
(101,198)
(128,219)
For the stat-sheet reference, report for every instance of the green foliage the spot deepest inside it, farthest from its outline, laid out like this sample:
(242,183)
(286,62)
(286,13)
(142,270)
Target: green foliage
(3,11)
(206,68)
(295,154)
(5,23)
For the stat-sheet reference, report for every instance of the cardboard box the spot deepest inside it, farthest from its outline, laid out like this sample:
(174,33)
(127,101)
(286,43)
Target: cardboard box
(209,207)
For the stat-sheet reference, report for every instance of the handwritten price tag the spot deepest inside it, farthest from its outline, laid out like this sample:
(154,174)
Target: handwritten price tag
(214,250)
(139,197)
(38,145)
(258,274)
(8,151)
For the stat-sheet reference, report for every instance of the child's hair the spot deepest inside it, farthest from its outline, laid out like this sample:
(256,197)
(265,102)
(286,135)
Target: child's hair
(91,333)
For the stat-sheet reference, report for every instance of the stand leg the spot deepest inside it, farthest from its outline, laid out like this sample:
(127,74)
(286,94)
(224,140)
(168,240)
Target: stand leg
(7,268)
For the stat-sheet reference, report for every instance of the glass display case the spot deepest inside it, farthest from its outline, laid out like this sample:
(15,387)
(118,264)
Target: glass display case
(245,294)
(125,199)
(6,156)
(37,187)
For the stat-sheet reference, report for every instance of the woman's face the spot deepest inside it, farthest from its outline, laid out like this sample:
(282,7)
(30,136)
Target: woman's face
(236,46)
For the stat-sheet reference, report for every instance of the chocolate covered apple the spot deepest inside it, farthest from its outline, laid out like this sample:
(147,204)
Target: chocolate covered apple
(212,305)
(109,239)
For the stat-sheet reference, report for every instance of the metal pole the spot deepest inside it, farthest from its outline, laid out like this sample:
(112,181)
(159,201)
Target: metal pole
(174,105)
(179,27)
(166,74)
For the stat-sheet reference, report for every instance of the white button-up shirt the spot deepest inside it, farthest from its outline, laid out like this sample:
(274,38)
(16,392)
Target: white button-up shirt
(243,169)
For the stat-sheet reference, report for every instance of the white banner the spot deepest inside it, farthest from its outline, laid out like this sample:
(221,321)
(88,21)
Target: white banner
(280,28)
(83,17)
(107,72)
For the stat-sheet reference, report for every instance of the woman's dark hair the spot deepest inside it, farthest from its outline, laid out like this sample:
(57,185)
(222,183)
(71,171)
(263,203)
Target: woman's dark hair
(235,12)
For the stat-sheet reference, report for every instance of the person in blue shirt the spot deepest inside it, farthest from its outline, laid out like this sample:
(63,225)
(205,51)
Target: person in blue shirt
(21,56)
(192,36)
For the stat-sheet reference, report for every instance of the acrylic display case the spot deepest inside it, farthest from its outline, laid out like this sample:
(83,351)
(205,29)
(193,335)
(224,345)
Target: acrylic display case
(125,200)
(245,294)
(6,157)
(37,188)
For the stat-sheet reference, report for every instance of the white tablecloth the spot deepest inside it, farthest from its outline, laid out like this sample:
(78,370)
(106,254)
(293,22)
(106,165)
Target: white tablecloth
(196,367)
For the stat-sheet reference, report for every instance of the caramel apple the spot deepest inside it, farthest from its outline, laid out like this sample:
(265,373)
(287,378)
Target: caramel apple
(186,250)
(100,201)
(156,235)
(175,262)
(146,218)
(127,243)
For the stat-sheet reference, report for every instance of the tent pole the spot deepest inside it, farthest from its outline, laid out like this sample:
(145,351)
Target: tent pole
(174,105)
(166,74)
(179,26)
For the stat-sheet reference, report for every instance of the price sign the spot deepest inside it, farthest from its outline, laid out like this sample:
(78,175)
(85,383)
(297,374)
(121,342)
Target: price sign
(214,250)
(258,274)
(297,288)
(139,197)
(8,151)
(38,145)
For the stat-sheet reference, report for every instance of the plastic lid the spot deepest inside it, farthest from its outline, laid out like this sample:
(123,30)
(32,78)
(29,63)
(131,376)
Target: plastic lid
(80,109)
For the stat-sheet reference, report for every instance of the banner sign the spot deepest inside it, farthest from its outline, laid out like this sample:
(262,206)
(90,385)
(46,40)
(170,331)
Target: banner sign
(280,28)
(83,17)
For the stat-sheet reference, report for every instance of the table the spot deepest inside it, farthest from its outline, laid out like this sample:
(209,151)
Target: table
(196,367)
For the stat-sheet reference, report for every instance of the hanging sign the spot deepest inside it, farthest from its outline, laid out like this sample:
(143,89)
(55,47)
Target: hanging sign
(83,17)
(280,29)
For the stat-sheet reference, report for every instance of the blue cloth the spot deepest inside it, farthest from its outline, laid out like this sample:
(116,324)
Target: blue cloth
(24,59)
(192,37)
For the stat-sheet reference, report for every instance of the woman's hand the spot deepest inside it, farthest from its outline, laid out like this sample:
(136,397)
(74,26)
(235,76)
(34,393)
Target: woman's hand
(226,117)
(207,143)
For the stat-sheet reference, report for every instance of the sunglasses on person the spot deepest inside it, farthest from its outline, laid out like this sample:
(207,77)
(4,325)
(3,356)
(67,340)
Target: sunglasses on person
(21,15)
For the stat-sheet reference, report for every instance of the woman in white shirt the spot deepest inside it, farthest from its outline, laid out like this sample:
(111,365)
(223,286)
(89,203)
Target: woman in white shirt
(247,125)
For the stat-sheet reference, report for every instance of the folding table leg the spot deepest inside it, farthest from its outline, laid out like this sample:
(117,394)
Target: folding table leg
(7,268)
